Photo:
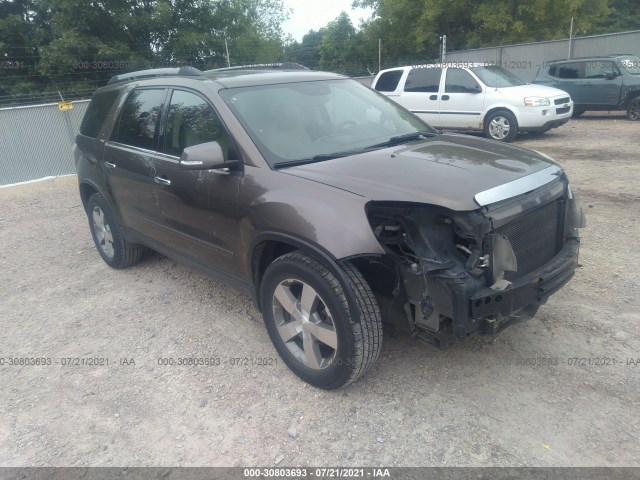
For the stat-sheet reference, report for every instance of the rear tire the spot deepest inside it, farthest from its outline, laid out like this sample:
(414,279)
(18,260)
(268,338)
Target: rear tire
(311,324)
(633,109)
(114,249)
(501,125)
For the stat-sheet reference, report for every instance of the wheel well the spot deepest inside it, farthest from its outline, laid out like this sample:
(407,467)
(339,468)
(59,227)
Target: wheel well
(381,276)
(497,109)
(86,191)
(632,96)
(265,253)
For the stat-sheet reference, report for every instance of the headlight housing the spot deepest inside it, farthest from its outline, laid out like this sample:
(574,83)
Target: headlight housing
(536,102)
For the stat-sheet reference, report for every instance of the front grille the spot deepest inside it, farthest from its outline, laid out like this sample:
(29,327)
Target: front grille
(560,111)
(534,237)
(560,101)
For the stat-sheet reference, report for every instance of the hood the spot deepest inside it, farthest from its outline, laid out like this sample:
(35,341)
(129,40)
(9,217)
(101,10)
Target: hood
(446,170)
(531,90)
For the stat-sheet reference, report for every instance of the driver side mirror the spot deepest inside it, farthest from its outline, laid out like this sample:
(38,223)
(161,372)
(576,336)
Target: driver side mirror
(476,89)
(609,75)
(206,156)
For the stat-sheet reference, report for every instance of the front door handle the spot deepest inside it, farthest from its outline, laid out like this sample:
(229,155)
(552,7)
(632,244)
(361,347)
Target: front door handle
(433,97)
(162,181)
(109,165)
(445,97)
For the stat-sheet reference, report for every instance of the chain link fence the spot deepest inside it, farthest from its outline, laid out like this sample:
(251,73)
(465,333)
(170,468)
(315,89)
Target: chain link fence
(36,141)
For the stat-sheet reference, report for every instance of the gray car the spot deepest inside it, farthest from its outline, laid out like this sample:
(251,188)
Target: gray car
(610,82)
(333,207)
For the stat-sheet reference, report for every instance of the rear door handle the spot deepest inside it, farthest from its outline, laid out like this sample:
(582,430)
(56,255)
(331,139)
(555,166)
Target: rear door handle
(445,97)
(433,97)
(162,181)
(109,165)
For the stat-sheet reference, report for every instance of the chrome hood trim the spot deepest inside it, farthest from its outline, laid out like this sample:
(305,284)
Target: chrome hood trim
(518,187)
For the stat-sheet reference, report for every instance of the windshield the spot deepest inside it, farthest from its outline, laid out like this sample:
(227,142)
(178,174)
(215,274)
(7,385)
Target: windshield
(497,77)
(292,123)
(631,64)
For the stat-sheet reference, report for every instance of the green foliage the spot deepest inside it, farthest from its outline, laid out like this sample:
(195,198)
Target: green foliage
(410,29)
(307,52)
(339,44)
(624,16)
(74,46)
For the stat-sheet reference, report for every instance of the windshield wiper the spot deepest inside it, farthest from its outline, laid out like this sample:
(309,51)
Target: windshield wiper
(316,158)
(330,156)
(407,137)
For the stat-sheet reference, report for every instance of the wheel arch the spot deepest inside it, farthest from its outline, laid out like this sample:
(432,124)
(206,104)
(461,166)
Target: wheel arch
(497,108)
(267,246)
(630,96)
(86,190)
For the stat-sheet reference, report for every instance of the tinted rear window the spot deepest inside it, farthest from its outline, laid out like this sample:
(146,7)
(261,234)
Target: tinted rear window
(423,80)
(97,112)
(138,124)
(388,81)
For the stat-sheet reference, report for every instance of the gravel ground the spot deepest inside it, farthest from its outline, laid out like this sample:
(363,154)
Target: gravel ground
(472,405)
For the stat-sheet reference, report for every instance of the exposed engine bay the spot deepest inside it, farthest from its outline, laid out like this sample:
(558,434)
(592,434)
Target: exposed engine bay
(448,274)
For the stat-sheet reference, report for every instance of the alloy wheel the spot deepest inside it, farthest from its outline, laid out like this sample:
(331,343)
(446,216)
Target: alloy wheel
(634,109)
(102,229)
(305,324)
(499,127)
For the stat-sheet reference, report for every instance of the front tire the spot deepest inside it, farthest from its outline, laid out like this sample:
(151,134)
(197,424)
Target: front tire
(114,249)
(311,324)
(501,125)
(633,109)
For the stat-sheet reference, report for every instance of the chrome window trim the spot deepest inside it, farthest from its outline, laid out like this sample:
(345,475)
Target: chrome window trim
(518,187)
(142,151)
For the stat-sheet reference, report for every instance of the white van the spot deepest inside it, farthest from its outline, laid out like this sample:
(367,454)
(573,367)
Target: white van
(475,97)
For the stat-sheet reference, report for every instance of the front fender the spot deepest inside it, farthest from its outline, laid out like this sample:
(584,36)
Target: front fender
(318,214)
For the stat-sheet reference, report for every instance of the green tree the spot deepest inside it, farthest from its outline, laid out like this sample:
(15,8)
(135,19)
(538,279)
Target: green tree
(306,52)
(410,29)
(340,47)
(624,16)
(73,46)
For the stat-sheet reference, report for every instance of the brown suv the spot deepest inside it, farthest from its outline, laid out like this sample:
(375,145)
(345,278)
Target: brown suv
(335,208)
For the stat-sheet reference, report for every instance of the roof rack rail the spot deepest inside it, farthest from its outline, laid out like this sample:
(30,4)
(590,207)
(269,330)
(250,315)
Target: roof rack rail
(261,66)
(156,72)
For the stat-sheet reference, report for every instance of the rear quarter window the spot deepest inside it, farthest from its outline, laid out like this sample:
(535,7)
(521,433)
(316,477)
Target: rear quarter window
(97,112)
(388,81)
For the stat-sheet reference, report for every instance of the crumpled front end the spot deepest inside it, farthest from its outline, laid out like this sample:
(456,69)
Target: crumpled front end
(448,274)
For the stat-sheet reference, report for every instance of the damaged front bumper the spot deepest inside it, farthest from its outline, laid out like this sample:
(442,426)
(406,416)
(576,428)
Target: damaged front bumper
(476,272)
(456,304)
(520,300)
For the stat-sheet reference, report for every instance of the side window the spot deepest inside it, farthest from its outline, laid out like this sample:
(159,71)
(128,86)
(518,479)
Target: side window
(388,81)
(553,71)
(138,123)
(191,121)
(97,112)
(599,69)
(423,80)
(459,81)
(571,70)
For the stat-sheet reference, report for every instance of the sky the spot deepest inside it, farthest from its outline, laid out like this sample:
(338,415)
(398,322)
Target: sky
(314,14)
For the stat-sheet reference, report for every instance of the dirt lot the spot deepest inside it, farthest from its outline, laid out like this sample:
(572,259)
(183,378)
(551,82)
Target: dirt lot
(472,405)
